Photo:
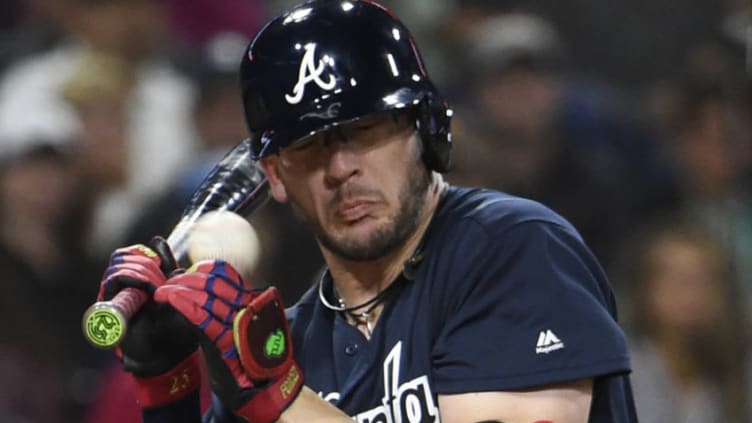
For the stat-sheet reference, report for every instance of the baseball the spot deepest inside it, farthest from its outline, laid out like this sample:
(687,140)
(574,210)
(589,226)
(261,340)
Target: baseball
(228,236)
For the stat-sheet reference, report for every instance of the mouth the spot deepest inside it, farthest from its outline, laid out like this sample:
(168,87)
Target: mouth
(353,211)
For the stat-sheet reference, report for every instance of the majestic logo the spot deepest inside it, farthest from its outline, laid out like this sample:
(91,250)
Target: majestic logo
(310,72)
(548,342)
(407,402)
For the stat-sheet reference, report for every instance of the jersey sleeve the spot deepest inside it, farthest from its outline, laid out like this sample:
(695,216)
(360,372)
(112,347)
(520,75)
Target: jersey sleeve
(527,307)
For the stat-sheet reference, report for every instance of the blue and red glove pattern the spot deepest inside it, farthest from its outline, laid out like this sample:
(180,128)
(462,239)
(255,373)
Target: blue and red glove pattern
(244,335)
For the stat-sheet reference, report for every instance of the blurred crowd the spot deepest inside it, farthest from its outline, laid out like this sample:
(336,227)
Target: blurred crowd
(631,118)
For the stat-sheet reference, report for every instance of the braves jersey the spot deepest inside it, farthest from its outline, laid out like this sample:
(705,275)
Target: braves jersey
(506,297)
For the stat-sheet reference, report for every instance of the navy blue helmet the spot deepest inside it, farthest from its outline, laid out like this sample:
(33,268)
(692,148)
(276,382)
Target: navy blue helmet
(330,62)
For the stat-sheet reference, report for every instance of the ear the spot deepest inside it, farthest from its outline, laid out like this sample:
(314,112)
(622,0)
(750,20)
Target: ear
(277,188)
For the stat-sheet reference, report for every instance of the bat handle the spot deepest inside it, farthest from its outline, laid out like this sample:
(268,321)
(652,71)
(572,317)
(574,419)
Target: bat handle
(105,322)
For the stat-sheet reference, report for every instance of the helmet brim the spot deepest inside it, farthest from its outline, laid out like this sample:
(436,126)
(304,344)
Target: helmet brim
(330,115)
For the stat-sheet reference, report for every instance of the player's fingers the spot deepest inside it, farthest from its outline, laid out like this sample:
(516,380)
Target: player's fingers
(194,285)
(218,334)
(225,290)
(188,302)
(199,308)
(134,251)
(136,271)
(221,269)
(115,284)
(125,257)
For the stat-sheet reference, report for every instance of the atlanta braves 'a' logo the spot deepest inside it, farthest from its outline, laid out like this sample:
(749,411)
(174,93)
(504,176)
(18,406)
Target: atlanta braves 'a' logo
(310,72)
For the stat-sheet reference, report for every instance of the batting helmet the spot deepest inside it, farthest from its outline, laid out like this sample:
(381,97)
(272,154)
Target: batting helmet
(330,62)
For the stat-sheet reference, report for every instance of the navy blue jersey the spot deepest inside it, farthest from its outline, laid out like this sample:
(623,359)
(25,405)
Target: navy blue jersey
(507,297)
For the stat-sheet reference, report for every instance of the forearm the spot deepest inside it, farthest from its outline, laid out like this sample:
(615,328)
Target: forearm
(309,407)
(561,403)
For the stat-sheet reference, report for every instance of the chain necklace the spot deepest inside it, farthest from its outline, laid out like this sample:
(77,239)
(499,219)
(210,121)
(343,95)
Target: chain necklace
(408,273)
(363,317)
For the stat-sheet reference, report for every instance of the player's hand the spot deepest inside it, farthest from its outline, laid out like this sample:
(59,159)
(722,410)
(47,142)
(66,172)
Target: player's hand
(245,338)
(160,348)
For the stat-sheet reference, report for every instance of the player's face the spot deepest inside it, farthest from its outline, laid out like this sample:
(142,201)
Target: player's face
(360,188)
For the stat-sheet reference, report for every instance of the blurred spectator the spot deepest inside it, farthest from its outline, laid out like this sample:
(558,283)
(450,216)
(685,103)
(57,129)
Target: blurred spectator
(688,343)
(529,126)
(98,92)
(196,23)
(708,133)
(42,353)
(633,43)
(157,116)
(449,36)
(29,26)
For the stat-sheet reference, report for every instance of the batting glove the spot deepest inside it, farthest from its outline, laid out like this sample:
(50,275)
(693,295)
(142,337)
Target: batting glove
(244,335)
(159,349)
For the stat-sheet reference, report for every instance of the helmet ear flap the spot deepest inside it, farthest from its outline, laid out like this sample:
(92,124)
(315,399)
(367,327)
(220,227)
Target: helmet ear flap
(434,128)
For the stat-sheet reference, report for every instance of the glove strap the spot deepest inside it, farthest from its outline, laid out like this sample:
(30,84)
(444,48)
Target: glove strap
(262,339)
(268,403)
(170,386)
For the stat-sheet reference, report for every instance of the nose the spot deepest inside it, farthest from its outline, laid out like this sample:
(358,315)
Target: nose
(341,164)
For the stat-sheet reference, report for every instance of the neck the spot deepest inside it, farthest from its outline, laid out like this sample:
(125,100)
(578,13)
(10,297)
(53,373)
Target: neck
(359,281)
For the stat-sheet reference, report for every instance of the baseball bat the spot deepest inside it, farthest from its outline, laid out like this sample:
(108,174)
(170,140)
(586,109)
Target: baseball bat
(235,184)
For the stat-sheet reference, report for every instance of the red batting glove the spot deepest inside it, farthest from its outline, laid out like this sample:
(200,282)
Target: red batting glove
(159,349)
(135,266)
(245,338)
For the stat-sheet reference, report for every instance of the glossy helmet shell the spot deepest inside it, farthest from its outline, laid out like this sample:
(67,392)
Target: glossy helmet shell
(326,63)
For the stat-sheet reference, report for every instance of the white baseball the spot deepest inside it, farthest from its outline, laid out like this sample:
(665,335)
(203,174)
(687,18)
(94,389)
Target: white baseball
(228,236)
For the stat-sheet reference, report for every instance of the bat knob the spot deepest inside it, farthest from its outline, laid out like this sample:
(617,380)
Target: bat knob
(104,324)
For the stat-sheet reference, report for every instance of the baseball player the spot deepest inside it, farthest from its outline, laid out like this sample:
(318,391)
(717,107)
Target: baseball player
(438,303)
